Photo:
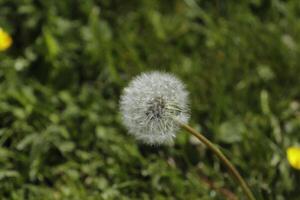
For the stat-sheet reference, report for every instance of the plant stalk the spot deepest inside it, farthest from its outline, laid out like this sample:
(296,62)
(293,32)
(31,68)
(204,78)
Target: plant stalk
(233,171)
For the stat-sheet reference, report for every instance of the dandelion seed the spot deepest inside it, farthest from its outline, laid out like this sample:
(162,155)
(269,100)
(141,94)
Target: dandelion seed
(151,105)
(5,40)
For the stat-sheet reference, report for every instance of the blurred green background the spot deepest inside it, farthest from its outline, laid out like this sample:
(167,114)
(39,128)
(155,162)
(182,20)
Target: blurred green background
(60,130)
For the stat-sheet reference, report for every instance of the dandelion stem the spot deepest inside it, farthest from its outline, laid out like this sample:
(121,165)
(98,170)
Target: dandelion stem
(233,171)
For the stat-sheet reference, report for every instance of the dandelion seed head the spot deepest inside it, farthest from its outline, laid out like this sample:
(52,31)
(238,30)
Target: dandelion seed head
(151,105)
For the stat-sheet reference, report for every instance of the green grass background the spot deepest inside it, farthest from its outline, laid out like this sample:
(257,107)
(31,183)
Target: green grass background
(60,130)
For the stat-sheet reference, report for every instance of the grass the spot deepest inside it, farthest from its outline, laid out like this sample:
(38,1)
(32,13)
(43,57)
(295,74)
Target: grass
(60,82)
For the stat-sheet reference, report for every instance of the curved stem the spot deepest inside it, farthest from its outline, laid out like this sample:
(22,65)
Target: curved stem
(233,171)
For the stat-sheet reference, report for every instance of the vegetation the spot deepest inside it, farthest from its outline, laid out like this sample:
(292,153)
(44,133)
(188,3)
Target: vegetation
(60,130)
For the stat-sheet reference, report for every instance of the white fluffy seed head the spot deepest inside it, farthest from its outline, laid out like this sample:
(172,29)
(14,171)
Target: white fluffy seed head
(151,106)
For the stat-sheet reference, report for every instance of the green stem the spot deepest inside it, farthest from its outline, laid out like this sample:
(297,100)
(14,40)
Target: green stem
(233,171)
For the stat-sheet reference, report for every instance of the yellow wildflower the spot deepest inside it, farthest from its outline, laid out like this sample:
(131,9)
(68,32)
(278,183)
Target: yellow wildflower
(293,156)
(5,40)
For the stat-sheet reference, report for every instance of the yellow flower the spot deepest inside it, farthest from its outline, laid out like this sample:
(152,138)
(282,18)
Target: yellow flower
(293,156)
(5,40)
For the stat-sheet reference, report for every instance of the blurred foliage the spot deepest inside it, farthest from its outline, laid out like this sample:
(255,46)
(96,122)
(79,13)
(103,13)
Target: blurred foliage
(60,82)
